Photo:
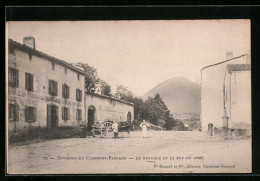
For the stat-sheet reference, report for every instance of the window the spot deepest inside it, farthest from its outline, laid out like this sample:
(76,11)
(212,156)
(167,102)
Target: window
(65,69)
(30,114)
(78,76)
(65,91)
(65,113)
(29,82)
(79,114)
(13,112)
(53,88)
(13,77)
(78,95)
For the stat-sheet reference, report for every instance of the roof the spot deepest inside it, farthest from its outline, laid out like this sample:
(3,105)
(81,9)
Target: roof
(14,44)
(111,98)
(238,67)
(222,62)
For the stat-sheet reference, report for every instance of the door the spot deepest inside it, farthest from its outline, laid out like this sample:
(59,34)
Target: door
(52,116)
(91,116)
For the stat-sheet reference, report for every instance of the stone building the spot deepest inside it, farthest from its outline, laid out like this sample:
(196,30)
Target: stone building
(101,108)
(46,92)
(43,91)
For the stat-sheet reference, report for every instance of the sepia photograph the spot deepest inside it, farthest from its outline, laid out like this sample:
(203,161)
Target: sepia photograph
(128,97)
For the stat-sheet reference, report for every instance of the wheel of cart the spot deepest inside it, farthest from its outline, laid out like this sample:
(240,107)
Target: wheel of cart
(102,129)
(108,130)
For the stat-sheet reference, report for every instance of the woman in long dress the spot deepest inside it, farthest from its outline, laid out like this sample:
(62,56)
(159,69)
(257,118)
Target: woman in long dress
(144,125)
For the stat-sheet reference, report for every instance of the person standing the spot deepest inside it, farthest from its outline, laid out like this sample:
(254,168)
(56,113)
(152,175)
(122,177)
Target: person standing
(144,125)
(210,129)
(115,130)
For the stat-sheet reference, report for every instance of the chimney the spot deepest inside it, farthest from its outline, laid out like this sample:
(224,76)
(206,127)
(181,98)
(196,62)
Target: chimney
(29,41)
(229,55)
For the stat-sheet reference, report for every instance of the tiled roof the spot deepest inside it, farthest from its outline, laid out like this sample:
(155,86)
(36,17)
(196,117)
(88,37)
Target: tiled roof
(111,98)
(238,67)
(23,47)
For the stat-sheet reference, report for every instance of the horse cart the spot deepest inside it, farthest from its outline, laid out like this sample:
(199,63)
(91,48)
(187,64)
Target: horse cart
(104,129)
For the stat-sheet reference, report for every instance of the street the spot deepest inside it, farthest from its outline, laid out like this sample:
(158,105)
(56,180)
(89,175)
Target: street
(161,152)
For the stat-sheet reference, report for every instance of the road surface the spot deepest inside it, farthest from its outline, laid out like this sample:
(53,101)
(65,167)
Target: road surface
(161,152)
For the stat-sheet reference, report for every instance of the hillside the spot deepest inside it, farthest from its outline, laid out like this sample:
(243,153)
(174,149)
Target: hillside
(179,94)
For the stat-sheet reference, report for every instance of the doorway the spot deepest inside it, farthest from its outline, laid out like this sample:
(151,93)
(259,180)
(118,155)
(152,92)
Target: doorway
(52,116)
(91,116)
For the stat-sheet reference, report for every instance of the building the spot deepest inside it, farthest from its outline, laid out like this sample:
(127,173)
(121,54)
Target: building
(237,99)
(43,91)
(102,108)
(46,92)
(226,95)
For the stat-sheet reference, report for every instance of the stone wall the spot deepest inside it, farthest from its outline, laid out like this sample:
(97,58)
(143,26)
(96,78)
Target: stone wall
(108,108)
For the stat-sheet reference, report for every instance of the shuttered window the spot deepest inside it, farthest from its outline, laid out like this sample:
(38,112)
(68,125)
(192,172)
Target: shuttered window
(65,91)
(79,114)
(53,88)
(30,114)
(13,77)
(78,95)
(13,112)
(29,81)
(65,113)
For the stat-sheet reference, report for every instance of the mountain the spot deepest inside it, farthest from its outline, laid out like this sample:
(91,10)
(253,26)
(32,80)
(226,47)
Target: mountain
(180,95)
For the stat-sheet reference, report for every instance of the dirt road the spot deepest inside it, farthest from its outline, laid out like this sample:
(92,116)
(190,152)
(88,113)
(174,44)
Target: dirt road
(162,152)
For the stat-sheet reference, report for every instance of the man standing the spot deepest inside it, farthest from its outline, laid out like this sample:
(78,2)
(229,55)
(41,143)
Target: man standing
(115,130)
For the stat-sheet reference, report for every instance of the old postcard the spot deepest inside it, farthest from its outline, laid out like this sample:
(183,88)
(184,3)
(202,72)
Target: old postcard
(123,97)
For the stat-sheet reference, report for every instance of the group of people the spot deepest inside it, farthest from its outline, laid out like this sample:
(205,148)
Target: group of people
(143,125)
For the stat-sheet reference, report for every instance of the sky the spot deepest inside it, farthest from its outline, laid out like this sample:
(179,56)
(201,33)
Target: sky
(138,54)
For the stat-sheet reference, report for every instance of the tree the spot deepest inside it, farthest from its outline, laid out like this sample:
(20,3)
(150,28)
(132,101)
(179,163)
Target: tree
(105,88)
(157,109)
(123,93)
(140,111)
(169,121)
(91,79)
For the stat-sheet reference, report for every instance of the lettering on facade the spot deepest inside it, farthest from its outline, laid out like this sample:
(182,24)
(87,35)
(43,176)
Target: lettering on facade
(20,93)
